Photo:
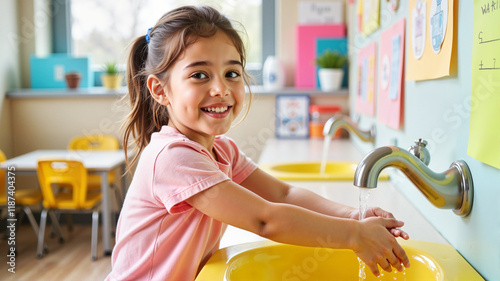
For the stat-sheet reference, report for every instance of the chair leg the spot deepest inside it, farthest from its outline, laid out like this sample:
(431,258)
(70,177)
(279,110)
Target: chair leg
(57,227)
(41,233)
(95,225)
(31,218)
(119,196)
(34,225)
(69,219)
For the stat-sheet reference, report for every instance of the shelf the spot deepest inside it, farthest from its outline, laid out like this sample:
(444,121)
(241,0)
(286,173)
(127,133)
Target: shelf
(259,90)
(94,92)
(101,92)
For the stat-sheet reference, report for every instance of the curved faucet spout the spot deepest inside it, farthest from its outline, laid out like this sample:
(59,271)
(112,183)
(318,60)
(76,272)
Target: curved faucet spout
(342,121)
(451,189)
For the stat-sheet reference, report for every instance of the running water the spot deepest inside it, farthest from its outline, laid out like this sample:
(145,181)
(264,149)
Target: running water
(324,159)
(364,194)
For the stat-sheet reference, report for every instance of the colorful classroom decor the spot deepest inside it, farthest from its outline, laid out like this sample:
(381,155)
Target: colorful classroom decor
(315,12)
(419,28)
(365,99)
(370,16)
(432,29)
(391,86)
(292,116)
(305,69)
(484,134)
(332,44)
(438,21)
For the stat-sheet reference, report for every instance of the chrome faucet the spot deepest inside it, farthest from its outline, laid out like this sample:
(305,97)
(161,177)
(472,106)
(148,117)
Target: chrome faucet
(343,121)
(451,189)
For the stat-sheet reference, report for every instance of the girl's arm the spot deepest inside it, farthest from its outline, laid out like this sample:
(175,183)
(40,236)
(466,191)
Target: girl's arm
(275,190)
(233,204)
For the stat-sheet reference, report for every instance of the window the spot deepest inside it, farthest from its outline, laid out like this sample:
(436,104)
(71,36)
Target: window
(104,29)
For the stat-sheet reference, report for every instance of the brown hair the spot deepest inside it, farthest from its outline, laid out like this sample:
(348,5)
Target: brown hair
(172,34)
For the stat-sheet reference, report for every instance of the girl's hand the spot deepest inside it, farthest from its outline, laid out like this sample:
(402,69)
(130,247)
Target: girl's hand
(378,212)
(375,245)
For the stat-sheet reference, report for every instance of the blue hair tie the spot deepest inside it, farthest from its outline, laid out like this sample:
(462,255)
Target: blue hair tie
(148,35)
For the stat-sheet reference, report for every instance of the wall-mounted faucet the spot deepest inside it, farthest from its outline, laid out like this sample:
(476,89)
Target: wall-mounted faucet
(451,189)
(343,121)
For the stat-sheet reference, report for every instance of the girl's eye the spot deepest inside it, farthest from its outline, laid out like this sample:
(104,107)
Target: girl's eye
(199,75)
(232,74)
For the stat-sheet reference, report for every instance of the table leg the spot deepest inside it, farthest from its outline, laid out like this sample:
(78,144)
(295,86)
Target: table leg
(106,214)
(124,182)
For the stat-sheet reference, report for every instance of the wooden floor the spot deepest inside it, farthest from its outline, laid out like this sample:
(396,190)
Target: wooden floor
(67,261)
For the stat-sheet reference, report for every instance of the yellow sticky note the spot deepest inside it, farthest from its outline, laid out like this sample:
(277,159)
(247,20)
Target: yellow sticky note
(484,134)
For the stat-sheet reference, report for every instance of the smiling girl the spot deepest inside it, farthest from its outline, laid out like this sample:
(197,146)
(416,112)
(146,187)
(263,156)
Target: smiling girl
(186,80)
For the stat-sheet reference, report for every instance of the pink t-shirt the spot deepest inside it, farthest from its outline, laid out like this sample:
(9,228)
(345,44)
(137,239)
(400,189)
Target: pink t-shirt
(159,236)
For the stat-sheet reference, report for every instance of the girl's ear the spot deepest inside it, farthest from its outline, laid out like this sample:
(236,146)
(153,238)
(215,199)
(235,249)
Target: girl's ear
(157,91)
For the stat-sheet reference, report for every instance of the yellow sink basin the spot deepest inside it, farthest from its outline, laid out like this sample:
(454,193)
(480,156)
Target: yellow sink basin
(310,171)
(269,261)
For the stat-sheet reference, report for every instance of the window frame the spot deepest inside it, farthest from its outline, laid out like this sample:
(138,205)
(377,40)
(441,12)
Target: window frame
(62,43)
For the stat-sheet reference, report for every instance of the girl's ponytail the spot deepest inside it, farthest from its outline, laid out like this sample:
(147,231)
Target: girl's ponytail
(138,123)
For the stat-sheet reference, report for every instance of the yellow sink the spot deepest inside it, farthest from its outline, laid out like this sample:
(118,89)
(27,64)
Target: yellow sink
(269,261)
(310,171)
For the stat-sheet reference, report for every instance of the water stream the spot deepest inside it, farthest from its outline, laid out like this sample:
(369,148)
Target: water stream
(364,195)
(324,158)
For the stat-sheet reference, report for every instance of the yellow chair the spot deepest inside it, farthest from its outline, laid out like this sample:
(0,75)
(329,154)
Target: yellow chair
(23,197)
(98,142)
(68,173)
(94,142)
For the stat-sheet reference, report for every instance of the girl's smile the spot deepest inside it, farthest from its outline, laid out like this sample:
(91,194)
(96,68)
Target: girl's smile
(217,110)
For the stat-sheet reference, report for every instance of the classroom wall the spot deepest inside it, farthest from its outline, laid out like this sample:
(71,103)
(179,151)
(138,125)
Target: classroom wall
(9,69)
(439,111)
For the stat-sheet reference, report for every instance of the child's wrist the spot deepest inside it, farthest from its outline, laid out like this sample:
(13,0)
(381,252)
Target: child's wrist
(353,239)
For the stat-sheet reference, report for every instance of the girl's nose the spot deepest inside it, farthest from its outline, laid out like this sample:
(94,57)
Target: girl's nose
(219,89)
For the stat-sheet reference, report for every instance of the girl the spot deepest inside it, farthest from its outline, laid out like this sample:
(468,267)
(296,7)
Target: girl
(186,82)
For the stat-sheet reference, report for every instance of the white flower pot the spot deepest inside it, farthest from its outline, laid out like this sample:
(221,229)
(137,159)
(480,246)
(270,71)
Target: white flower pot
(330,79)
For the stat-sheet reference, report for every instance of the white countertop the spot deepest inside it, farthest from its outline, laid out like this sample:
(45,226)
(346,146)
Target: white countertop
(385,195)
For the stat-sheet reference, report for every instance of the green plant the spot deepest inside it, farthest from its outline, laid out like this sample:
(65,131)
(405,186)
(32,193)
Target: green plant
(111,67)
(331,59)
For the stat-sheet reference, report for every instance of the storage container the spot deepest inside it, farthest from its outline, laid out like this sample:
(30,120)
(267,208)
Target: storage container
(319,115)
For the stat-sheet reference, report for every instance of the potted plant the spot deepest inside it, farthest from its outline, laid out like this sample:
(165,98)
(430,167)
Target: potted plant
(111,77)
(331,72)
(73,79)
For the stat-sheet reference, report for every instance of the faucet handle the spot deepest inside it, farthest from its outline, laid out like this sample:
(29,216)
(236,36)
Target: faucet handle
(420,151)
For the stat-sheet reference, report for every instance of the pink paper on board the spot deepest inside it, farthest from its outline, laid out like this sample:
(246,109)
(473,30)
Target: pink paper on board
(365,98)
(305,69)
(391,68)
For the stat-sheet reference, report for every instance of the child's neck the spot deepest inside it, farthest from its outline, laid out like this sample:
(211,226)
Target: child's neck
(206,141)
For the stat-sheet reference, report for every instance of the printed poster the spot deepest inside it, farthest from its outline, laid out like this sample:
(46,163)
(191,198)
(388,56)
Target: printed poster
(365,99)
(432,31)
(391,68)
(484,133)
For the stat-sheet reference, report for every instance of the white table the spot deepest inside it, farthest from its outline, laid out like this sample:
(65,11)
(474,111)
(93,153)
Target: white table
(99,162)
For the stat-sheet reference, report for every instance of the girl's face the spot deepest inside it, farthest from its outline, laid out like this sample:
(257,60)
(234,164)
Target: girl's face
(206,90)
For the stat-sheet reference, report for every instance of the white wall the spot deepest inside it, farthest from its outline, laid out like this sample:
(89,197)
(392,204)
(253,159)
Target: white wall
(9,69)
